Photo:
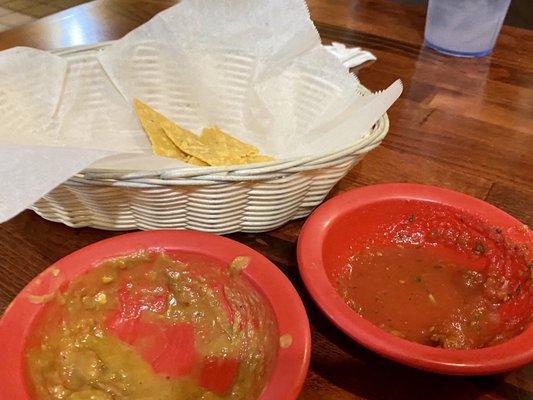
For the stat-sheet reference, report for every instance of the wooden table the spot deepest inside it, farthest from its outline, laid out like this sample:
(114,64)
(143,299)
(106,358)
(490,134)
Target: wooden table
(465,124)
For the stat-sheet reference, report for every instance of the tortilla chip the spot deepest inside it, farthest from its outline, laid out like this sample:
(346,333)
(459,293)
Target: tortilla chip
(213,147)
(176,133)
(259,158)
(161,144)
(214,137)
(211,155)
(197,161)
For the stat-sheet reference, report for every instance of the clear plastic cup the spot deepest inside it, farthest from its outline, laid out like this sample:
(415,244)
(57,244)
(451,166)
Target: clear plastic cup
(464,28)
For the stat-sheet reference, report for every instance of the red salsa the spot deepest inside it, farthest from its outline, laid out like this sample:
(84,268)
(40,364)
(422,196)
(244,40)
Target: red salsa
(440,279)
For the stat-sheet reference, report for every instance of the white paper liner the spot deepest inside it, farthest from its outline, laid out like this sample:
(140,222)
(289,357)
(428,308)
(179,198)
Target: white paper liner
(254,68)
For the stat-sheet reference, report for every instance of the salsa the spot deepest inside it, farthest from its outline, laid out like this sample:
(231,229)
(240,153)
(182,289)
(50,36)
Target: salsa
(431,300)
(153,326)
(440,279)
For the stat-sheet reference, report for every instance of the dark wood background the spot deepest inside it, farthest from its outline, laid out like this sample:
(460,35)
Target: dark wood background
(464,124)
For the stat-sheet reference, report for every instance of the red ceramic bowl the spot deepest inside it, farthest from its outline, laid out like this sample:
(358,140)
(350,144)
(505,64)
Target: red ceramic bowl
(326,235)
(290,366)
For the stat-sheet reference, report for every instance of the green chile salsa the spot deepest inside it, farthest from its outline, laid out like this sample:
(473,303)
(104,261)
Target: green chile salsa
(435,276)
(153,326)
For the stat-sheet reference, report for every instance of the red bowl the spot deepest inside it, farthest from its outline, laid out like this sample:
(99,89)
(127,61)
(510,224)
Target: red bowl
(290,366)
(324,237)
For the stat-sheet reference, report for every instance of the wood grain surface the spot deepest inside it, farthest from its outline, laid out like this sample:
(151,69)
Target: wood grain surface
(465,124)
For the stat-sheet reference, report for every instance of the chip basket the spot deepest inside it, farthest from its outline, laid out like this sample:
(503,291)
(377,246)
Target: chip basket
(251,198)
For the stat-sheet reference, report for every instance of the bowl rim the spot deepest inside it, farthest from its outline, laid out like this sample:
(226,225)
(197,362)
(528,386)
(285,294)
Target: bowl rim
(291,364)
(508,355)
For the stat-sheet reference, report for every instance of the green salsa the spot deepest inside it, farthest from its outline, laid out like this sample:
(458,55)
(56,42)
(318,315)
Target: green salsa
(151,326)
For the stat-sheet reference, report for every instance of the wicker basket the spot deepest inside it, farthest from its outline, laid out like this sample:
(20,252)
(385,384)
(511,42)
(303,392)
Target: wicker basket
(253,198)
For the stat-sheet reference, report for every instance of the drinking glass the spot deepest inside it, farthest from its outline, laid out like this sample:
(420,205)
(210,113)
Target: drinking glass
(464,28)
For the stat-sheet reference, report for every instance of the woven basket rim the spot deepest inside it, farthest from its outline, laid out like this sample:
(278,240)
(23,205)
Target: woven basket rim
(209,175)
